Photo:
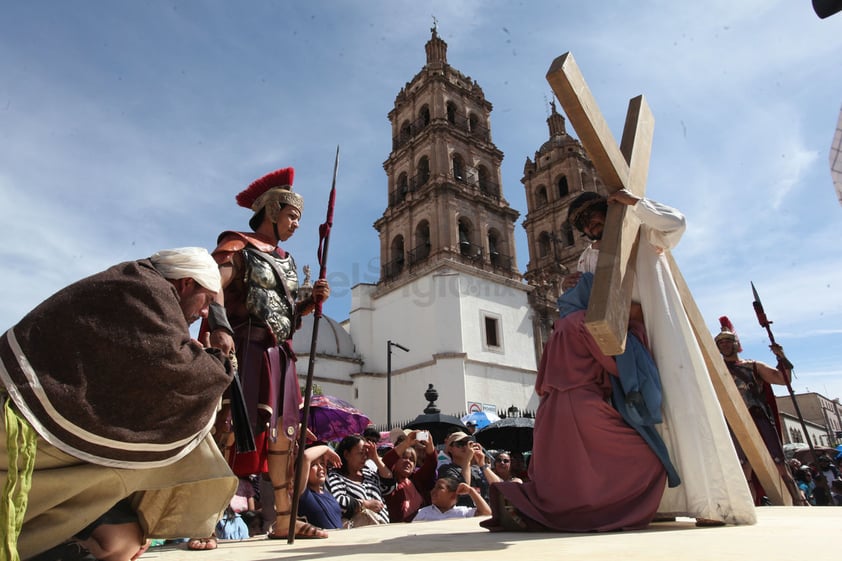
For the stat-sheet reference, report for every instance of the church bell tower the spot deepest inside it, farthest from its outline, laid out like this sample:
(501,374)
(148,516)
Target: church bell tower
(445,202)
(559,172)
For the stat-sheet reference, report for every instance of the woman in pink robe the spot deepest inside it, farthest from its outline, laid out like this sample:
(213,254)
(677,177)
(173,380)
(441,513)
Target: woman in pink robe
(590,471)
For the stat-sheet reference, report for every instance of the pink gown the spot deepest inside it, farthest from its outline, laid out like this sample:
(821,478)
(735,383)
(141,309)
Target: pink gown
(589,471)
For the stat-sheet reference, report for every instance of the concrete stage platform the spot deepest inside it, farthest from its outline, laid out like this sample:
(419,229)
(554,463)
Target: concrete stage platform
(786,533)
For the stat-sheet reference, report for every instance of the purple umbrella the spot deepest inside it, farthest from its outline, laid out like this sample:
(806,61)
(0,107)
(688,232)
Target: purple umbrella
(332,418)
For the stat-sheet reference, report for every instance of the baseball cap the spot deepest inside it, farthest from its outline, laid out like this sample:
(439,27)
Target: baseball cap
(456,437)
(396,433)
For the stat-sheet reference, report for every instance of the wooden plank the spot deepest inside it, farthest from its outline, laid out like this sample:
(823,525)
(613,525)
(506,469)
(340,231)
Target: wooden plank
(608,310)
(582,111)
(607,316)
(636,144)
(730,400)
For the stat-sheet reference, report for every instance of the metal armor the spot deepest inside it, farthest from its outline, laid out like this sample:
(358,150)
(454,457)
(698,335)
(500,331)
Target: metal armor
(266,298)
(750,388)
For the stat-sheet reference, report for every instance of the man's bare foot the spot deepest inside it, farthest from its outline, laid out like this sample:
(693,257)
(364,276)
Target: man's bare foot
(200,544)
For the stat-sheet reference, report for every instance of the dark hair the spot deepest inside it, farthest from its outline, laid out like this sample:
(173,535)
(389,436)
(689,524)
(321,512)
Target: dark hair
(257,219)
(450,482)
(371,432)
(346,444)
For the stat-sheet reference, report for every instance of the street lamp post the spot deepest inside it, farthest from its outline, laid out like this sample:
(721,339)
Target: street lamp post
(389,345)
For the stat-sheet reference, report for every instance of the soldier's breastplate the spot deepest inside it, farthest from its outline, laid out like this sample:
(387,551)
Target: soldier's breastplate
(266,298)
(748,387)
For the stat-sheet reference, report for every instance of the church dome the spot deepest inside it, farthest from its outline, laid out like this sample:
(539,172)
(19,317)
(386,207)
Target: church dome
(333,339)
(557,141)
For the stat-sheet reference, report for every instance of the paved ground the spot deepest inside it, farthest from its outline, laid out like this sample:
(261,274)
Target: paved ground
(782,533)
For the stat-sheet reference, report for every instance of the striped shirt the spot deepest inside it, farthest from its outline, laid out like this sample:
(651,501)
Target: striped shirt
(350,494)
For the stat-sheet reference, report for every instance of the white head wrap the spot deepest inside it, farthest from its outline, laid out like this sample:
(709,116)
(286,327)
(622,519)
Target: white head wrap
(188,262)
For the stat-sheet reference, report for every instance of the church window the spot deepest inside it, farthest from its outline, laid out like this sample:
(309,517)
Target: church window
(451,112)
(403,187)
(492,333)
(485,184)
(472,122)
(422,242)
(493,248)
(423,170)
(563,189)
(464,238)
(542,195)
(543,244)
(458,168)
(424,115)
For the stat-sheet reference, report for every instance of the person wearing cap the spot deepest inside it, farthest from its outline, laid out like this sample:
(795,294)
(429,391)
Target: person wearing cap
(472,427)
(754,380)
(256,314)
(468,464)
(107,404)
(712,488)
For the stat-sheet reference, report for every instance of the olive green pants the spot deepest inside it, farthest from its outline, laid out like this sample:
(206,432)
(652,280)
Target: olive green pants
(179,500)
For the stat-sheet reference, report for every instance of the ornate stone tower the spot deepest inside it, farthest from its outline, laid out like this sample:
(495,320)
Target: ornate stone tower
(560,171)
(449,288)
(445,202)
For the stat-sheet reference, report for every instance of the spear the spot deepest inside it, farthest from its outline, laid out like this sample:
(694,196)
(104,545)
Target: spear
(321,255)
(783,364)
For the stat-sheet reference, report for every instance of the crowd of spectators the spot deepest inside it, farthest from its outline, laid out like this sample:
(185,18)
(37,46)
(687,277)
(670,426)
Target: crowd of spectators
(363,481)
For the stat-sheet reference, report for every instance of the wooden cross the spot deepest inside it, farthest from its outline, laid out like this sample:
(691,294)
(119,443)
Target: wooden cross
(608,310)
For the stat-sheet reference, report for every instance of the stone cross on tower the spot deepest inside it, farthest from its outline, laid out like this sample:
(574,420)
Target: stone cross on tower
(608,311)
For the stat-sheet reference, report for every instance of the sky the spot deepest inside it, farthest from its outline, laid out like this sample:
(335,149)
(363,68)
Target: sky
(129,127)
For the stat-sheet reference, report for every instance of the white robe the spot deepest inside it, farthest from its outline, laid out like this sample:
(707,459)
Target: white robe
(712,482)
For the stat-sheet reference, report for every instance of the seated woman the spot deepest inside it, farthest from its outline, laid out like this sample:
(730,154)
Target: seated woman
(503,467)
(412,486)
(358,489)
(316,504)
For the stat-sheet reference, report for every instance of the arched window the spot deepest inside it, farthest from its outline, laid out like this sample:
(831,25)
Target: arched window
(423,170)
(541,195)
(544,244)
(395,264)
(451,112)
(424,116)
(458,168)
(397,249)
(484,180)
(473,121)
(406,131)
(563,189)
(494,247)
(464,237)
(422,240)
(402,187)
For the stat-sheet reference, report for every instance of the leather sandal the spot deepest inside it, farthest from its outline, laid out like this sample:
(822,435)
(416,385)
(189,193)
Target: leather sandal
(303,530)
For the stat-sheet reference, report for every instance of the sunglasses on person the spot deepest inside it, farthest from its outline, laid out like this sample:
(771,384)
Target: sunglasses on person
(461,443)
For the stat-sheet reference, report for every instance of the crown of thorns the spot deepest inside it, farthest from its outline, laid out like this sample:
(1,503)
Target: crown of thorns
(578,215)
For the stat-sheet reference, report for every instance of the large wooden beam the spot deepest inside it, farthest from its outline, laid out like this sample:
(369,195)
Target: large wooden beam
(619,167)
(607,317)
(733,406)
